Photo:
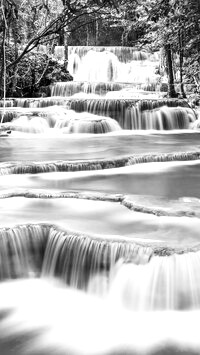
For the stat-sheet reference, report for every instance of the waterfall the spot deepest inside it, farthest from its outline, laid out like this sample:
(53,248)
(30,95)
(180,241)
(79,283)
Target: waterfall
(76,258)
(8,116)
(100,70)
(110,74)
(137,276)
(31,250)
(139,114)
(124,54)
(134,114)
(165,283)
(68,122)
(39,102)
(8,103)
(68,88)
(107,67)
(22,251)
(89,123)
(108,63)
(33,124)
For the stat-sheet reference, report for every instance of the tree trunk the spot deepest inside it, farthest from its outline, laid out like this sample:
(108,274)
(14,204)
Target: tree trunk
(87,36)
(3,59)
(3,67)
(65,37)
(15,67)
(66,48)
(2,62)
(171,90)
(61,38)
(97,32)
(181,64)
(181,74)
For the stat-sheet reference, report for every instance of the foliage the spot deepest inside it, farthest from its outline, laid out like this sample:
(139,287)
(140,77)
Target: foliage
(26,24)
(172,27)
(169,26)
(36,70)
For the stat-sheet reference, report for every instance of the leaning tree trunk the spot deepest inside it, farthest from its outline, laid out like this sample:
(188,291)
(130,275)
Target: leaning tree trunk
(171,89)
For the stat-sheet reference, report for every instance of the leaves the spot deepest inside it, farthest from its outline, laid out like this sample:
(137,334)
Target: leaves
(150,24)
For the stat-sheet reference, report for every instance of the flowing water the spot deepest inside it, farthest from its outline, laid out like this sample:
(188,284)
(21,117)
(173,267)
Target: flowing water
(100,213)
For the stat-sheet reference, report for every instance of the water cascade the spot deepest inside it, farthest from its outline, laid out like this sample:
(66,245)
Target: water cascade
(134,114)
(22,251)
(166,283)
(144,114)
(108,64)
(78,258)
(100,88)
(28,251)
(100,213)
(113,69)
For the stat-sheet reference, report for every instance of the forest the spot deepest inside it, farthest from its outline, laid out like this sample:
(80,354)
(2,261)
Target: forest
(30,30)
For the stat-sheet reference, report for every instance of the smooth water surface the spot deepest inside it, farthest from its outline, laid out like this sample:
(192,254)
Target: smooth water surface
(27,147)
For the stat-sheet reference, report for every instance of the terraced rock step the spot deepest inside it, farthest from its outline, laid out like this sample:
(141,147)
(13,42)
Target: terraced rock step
(44,167)
(142,205)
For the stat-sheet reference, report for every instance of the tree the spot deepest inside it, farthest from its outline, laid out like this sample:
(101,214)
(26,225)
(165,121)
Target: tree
(40,22)
(174,26)
(171,26)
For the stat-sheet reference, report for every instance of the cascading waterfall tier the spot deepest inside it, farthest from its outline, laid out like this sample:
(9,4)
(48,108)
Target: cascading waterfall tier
(107,67)
(132,114)
(22,251)
(140,276)
(124,54)
(89,123)
(29,250)
(47,102)
(110,64)
(67,89)
(165,283)
(76,258)
(140,114)
(68,122)
(7,103)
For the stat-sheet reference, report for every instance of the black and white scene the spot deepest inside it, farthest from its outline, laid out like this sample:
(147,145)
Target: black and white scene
(99,177)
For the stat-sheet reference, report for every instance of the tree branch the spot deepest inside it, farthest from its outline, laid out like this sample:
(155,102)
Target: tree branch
(55,26)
